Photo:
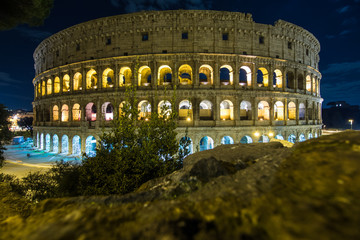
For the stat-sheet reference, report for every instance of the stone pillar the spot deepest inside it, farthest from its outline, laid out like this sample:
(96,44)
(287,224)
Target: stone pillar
(196,111)
(271,104)
(285,111)
(297,111)
(51,143)
(236,72)
(236,109)
(296,89)
(217,109)
(83,143)
(70,145)
(216,75)
(254,110)
(84,77)
(153,66)
(116,80)
(99,71)
(196,82)
(175,74)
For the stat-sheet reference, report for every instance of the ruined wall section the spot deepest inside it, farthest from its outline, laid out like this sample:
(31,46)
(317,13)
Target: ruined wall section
(123,35)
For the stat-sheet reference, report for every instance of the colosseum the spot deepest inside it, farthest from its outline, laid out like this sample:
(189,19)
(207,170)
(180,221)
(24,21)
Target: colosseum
(237,81)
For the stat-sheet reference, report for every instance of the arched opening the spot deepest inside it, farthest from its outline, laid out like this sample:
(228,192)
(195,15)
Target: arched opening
(226,110)
(302,138)
(41,141)
(43,88)
(262,77)
(125,76)
(107,110)
(185,74)
(77,81)
(310,136)
(279,137)
(90,146)
(64,113)
(37,140)
(278,111)
(227,140)
(226,75)
(65,144)
(55,113)
(245,76)
(245,110)
(290,80)
(164,75)
(308,83)
(206,110)
(49,86)
(76,145)
(263,111)
(277,78)
(315,135)
(38,88)
(164,108)
(57,85)
(47,142)
(76,112)
(264,139)
(91,79)
(300,82)
(246,139)
(291,111)
(55,143)
(301,111)
(292,138)
(144,77)
(206,143)
(313,85)
(66,83)
(90,112)
(189,148)
(108,78)
(185,110)
(205,74)
(144,108)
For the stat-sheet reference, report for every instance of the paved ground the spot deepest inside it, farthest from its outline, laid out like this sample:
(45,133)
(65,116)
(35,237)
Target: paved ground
(18,162)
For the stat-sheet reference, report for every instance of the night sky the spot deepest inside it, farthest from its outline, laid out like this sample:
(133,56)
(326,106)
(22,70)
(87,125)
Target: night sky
(335,23)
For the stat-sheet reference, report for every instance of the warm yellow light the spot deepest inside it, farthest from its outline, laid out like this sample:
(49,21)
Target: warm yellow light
(256,134)
(223,119)
(188,119)
(146,119)
(271,134)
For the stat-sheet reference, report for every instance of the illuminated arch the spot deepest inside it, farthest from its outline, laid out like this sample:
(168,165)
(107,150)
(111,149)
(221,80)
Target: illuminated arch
(55,113)
(107,110)
(77,81)
(279,137)
(262,77)
(189,147)
(76,145)
(55,140)
(292,111)
(302,138)
(90,146)
(292,138)
(91,79)
(66,83)
(279,111)
(246,139)
(185,110)
(164,75)
(47,142)
(65,144)
(206,74)
(43,87)
(108,78)
(90,112)
(206,112)
(245,110)
(301,111)
(185,74)
(206,143)
(226,75)
(49,86)
(125,76)
(164,108)
(264,139)
(277,78)
(144,76)
(226,110)
(144,108)
(76,112)
(57,85)
(64,113)
(313,85)
(290,80)
(308,83)
(227,140)
(245,76)
(263,111)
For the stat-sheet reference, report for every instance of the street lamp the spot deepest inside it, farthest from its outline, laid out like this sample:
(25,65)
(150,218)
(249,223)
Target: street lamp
(351,122)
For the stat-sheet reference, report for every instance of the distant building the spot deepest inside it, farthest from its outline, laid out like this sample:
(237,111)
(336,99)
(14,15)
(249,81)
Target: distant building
(339,114)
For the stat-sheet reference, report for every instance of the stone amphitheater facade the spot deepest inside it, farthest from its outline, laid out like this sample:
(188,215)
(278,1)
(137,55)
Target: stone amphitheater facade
(236,80)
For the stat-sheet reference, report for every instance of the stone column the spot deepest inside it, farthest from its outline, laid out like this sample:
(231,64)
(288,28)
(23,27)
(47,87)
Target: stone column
(254,110)
(236,75)
(271,104)
(83,80)
(196,111)
(175,74)
(216,76)
(99,71)
(153,66)
(285,111)
(196,82)
(117,78)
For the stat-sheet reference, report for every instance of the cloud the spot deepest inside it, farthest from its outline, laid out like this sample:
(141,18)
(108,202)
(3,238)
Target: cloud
(342,68)
(138,5)
(343,9)
(6,80)
(350,21)
(34,34)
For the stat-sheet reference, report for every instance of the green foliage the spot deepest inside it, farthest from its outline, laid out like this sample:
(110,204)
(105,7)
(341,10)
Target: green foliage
(134,152)
(32,12)
(5,134)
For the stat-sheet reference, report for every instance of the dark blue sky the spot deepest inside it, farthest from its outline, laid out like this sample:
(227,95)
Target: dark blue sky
(336,23)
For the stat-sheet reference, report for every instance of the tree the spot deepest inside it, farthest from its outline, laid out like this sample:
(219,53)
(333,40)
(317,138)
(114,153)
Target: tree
(5,134)
(134,152)
(31,12)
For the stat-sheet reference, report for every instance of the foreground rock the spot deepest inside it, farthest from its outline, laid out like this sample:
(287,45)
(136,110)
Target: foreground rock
(257,191)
